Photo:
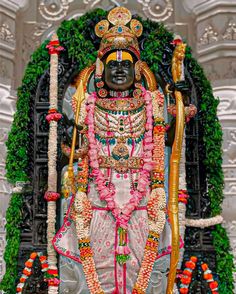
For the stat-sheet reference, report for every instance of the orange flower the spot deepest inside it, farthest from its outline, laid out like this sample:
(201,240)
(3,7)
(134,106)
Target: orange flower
(22,280)
(33,255)
(193,258)
(18,290)
(208,276)
(190,264)
(29,264)
(27,273)
(204,267)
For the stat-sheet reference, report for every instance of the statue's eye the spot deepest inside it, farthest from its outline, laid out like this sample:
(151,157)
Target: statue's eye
(112,63)
(126,63)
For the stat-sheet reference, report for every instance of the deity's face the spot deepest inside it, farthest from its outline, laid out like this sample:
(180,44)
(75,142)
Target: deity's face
(119,75)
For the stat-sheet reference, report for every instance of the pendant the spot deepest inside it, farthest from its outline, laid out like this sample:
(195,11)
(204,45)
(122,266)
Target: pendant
(122,250)
(121,154)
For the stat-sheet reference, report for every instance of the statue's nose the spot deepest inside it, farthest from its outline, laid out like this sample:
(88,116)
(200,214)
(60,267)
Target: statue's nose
(119,67)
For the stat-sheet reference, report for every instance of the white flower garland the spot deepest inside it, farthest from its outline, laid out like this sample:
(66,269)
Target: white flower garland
(52,171)
(203,223)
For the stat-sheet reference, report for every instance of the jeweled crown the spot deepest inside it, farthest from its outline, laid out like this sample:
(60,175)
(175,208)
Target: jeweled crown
(119,36)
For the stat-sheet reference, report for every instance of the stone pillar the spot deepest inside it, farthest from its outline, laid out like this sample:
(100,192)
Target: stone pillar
(215,24)
(8,12)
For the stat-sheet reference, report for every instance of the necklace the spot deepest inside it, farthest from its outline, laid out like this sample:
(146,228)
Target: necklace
(119,94)
(119,124)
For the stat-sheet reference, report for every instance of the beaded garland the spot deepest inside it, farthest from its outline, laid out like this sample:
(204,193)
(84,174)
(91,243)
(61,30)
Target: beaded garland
(156,207)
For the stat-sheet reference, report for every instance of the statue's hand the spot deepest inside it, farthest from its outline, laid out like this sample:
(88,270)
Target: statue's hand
(170,133)
(68,126)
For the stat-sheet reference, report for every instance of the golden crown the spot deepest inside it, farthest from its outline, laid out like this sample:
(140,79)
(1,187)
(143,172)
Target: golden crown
(119,36)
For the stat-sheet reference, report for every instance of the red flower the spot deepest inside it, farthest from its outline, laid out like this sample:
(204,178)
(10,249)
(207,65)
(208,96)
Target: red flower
(42,258)
(213,285)
(193,258)
(183,290)
(186,280)
(188,273)
(27,273)
(190,264)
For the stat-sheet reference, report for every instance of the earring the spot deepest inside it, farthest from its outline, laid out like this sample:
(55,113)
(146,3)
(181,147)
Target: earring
(98,73)
(102,93)
(98,79)
(137,91)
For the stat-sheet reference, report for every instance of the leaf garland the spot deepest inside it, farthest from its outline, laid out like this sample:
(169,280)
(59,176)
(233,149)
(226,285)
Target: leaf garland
(81,44)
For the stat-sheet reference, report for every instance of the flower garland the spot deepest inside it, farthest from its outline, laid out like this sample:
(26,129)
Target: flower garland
(51,195)
(186,278)
(207,275)
(27,271)
(204,222)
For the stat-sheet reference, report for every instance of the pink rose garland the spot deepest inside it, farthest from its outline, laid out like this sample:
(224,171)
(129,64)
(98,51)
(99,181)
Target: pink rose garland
(108,193)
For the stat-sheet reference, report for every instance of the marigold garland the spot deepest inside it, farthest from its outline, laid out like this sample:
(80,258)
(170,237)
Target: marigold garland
(208,276)
(27,271)
(186,278)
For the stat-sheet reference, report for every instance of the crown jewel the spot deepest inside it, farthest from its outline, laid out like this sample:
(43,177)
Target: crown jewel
(119,36)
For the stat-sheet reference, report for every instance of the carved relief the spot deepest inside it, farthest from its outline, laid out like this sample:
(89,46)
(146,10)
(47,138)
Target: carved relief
(230,32)
(6,34)
(209,36)
(230,148)
(54,10)
(40,28)
(218,33)
(157,10)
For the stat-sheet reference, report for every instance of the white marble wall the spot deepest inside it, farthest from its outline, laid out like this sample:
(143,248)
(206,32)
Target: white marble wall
(208,26)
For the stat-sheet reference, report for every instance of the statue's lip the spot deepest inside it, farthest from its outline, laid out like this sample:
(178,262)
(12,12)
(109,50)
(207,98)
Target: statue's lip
(120,76)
